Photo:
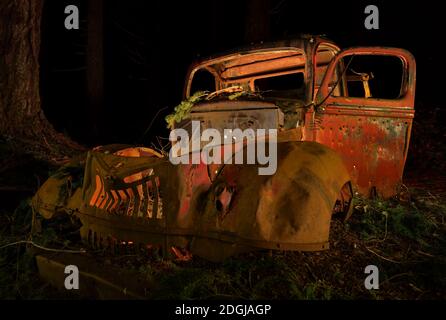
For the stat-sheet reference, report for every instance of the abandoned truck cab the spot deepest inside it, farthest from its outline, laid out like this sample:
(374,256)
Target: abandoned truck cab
(335,131)
(325,95)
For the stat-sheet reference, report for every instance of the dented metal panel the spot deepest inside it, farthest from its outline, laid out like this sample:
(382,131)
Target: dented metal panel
(372,135)
(214,217)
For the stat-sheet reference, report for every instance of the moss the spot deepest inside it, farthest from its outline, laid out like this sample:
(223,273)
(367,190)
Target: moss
(182,111)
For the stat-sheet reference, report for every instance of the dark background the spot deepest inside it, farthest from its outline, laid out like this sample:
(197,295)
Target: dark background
(148,46)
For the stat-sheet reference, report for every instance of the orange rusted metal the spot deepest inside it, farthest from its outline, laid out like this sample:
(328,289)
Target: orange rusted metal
(372,135)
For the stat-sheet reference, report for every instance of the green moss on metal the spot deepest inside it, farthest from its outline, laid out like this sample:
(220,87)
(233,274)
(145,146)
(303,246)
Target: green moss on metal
(182,111)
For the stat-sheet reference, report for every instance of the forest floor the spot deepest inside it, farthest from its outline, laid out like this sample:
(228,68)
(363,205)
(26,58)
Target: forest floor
(405,237)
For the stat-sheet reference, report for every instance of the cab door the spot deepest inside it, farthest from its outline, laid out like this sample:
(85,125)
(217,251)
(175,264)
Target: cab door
(366,115)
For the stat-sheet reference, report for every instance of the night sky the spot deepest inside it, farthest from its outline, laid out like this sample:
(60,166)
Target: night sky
(150,44)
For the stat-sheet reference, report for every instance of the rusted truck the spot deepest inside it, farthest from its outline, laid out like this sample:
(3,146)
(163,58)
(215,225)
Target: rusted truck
(337,133)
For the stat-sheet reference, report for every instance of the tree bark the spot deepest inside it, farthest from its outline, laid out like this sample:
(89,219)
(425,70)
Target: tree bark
(21,117)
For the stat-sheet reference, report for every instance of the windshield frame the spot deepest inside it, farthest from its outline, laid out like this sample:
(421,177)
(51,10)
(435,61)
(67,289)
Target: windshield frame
(307,45)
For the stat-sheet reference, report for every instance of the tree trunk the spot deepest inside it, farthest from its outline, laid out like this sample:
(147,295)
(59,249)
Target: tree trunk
(95,65)
(21,117)
(257,20)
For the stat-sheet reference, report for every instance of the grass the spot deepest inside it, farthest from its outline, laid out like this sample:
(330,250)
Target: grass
(252,276)
(18,272)
(414,220)
(19,278)
(405,238)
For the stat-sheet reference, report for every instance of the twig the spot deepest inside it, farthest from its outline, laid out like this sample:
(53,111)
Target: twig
(151,123)
(310,271)
(41,247)
(408,250)
(425,254)
(384,258)
(415,288)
